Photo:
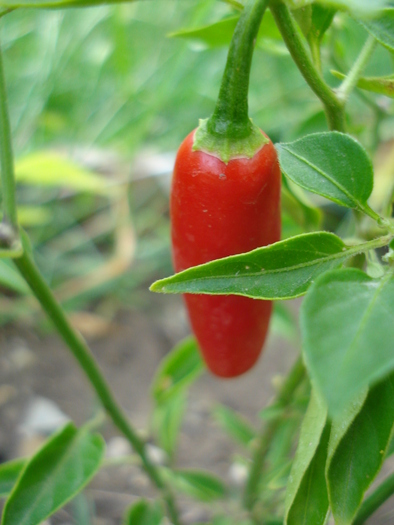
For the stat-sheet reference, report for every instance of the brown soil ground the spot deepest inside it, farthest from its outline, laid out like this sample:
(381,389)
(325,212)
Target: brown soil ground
(33,365)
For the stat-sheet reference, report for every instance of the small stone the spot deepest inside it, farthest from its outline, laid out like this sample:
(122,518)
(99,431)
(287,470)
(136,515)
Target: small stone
(7,392)
(156,455)
(43,417)
(21,356)
(238,473)
(118,447)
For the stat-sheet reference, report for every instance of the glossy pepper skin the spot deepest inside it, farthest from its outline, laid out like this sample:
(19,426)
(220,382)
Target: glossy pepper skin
(218,210)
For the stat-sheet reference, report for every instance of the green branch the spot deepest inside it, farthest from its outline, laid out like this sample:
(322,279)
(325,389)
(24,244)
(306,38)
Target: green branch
(333,107)
(284,397)
(230,117)
(229,133)
(7,163)
(8,238)
(384,491)
(83,355)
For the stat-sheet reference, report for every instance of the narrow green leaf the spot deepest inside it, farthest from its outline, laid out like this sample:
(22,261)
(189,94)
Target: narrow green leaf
(280,271)
(235,425)
(306,493)
(212,35)
(199,484)
(283,323)
(297,204)
(341,424)
(348,330)
(220,33)
(144,513)
(33,215)
(382,27)
(82,510)
(314,20)
(50,169)
(63,466)
(11,279)
(322,17)
(13,4)
(381,85)
(359,455)
(178,370)
(360,7)
(167,419)
(303,15)
(9,473)
(330,164)
(390,449)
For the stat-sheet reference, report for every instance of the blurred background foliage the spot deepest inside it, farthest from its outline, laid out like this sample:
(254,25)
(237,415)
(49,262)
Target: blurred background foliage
(100,99)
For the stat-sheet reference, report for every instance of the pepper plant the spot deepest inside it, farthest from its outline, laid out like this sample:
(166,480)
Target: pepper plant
(346,365)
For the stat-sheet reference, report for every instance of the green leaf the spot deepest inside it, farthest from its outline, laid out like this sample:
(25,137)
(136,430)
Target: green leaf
(306,493)
(341,424)
(382,27)
(63,466)
(362,7)
(283,323)
(322,17)
(13,4)
(81,510)
(297,204)
(144,513)
(167,418)
(236,426)
(199,484)
(9,473)
(314,20)
(347,329)
(330,164)
(11,279)
(303,15)
(220,33)
(358,457)
(390,448)
(280,271)
(381,85)
(178,370)
(33,215)
(50,169)
(212,35)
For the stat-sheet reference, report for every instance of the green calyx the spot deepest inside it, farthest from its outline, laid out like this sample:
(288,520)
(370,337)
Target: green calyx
(226,147)
(230,133)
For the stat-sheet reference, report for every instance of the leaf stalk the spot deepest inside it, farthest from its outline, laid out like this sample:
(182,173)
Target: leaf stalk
(356,71)
(334,108)
(284,397)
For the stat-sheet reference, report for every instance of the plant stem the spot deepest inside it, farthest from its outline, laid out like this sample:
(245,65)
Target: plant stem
(5,11)
(6,157)
(334,108)
(314,45)
(375,500)
(229,133)
(81,352)
(350,81)
(230,117)
(296,375)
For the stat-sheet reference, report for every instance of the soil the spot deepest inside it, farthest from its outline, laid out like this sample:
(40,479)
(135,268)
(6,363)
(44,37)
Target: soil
(35,367)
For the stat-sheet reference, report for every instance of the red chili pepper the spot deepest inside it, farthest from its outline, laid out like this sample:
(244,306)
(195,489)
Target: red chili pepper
(218,210)
(225,200)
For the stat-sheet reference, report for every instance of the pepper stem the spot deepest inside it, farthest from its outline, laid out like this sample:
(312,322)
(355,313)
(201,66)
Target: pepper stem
(230,117)
(229,133)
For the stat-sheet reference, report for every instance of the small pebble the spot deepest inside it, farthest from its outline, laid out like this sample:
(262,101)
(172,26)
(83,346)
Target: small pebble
(118,447)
